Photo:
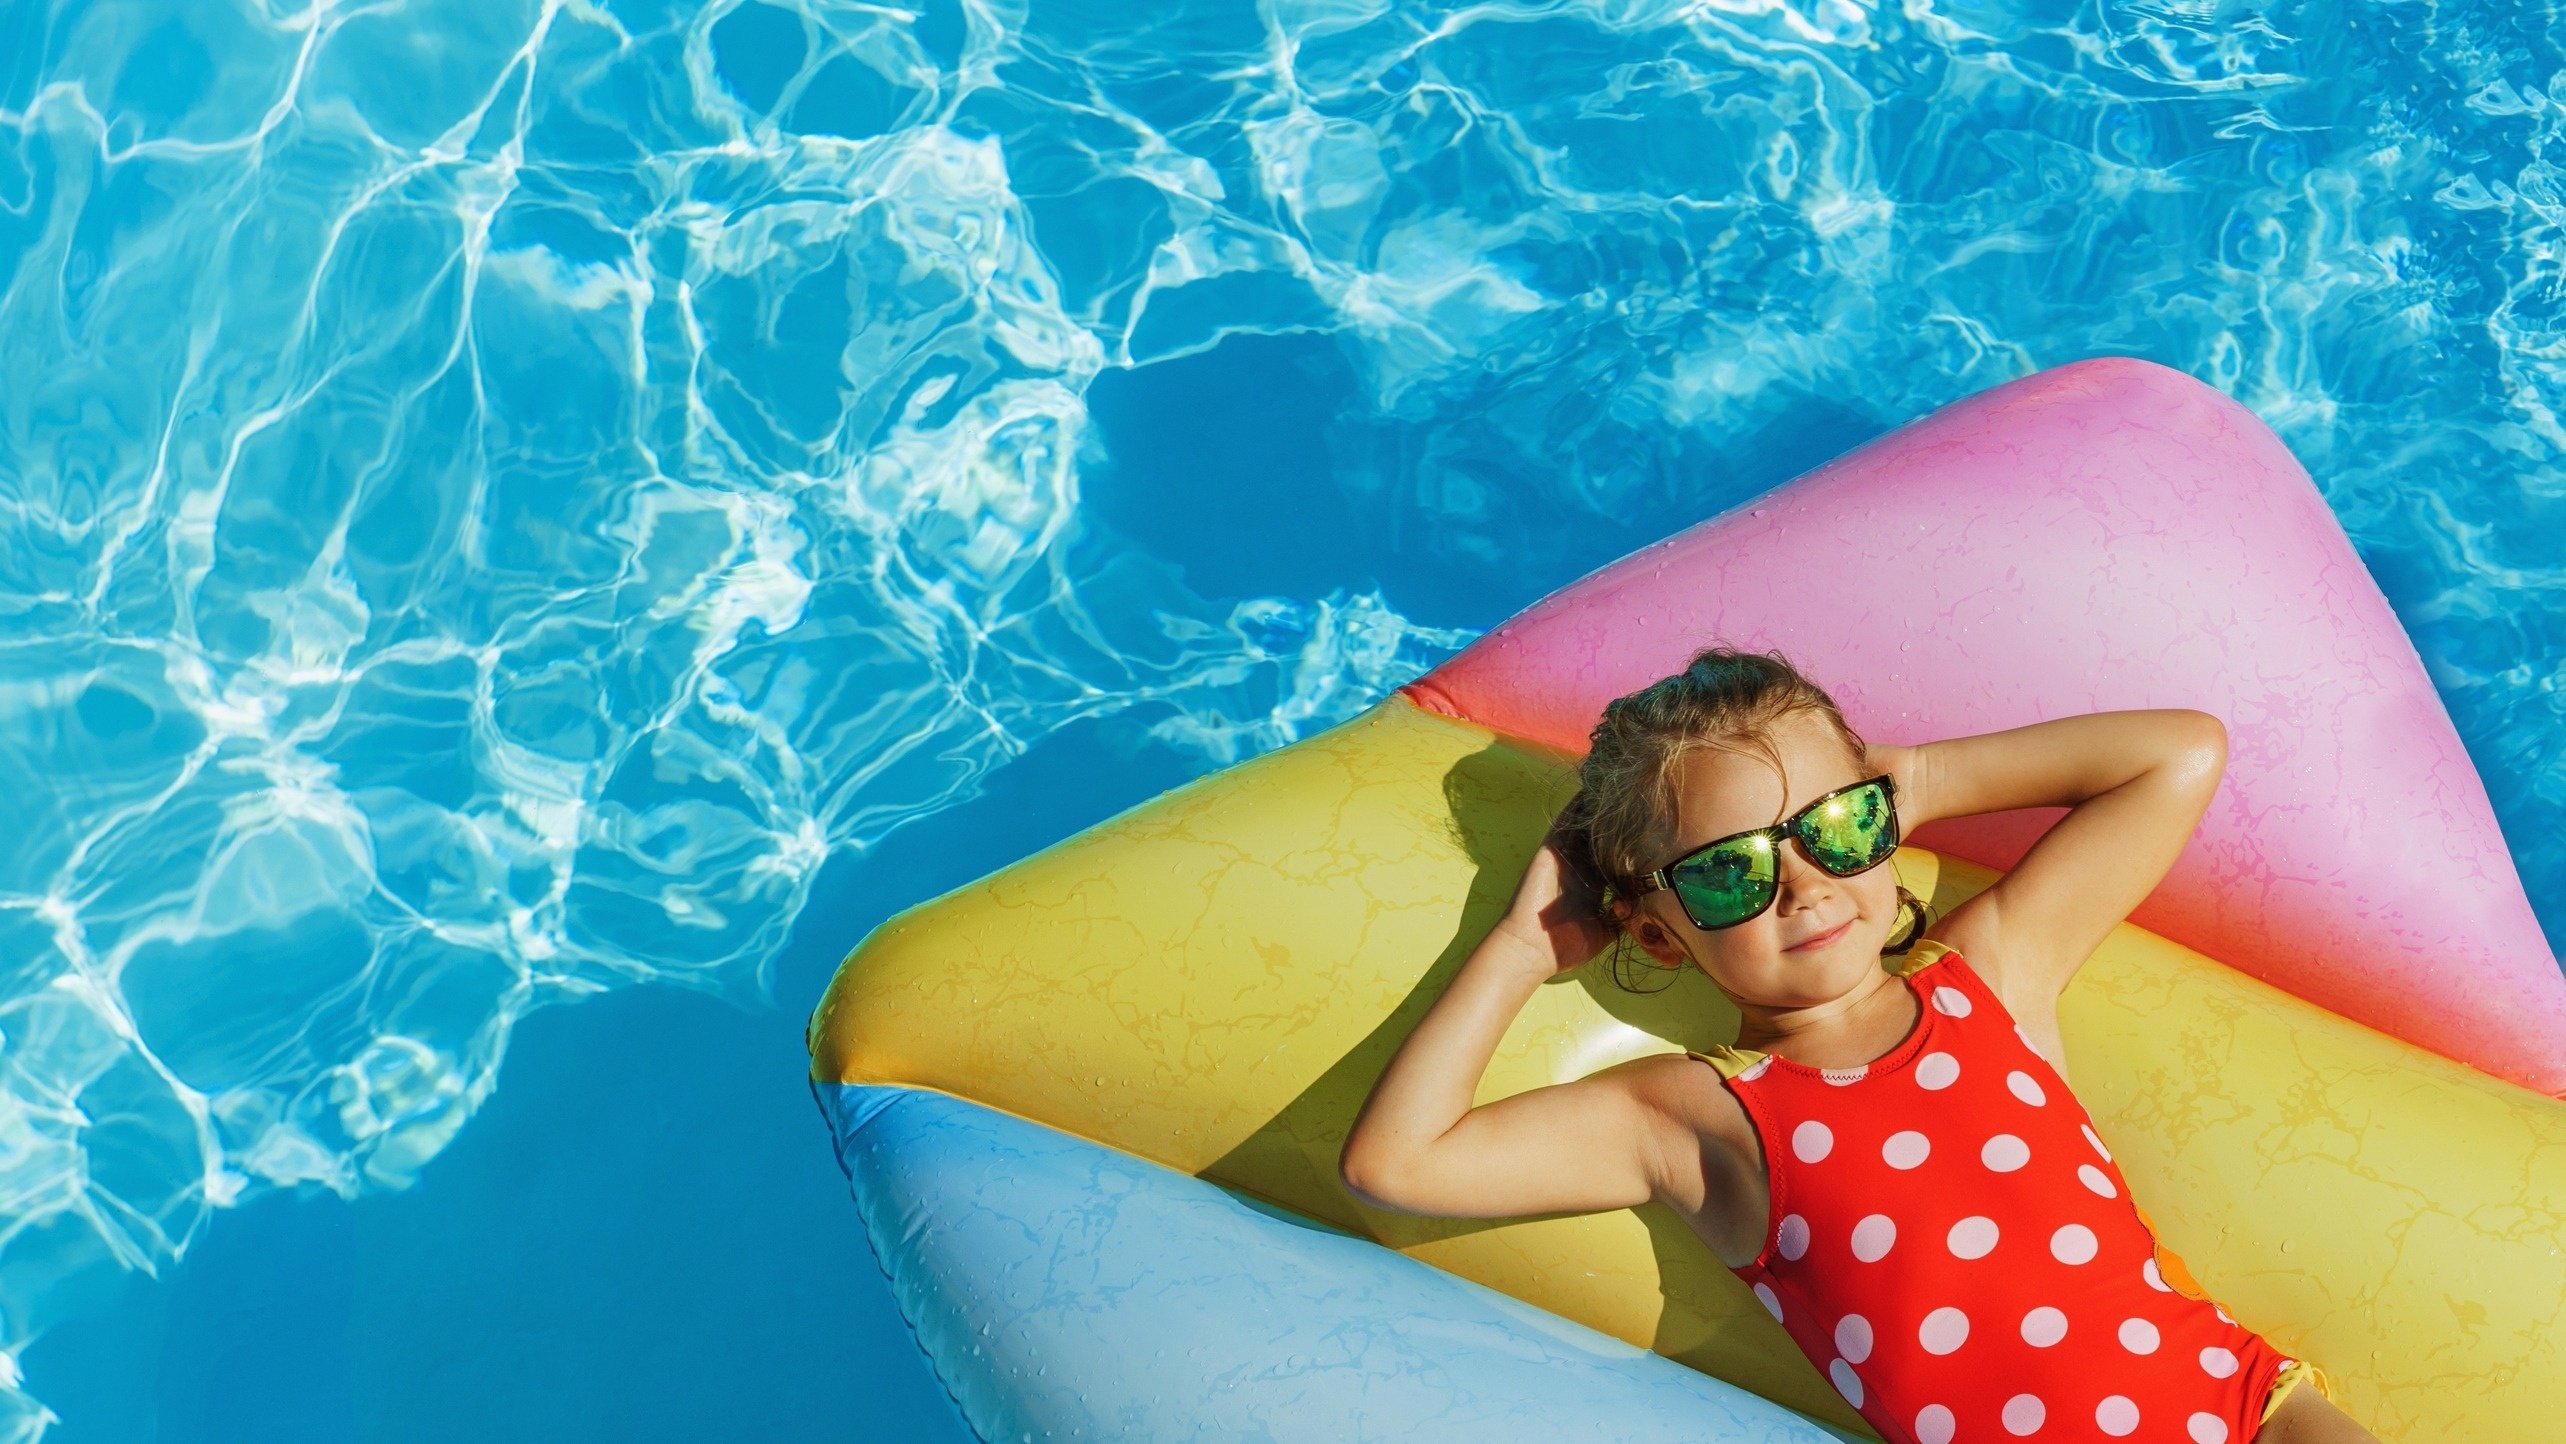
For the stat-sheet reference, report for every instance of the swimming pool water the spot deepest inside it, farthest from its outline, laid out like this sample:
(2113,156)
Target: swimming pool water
(494,497)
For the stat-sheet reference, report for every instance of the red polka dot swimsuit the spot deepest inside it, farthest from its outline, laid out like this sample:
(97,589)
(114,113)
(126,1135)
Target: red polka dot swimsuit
(1950,1243)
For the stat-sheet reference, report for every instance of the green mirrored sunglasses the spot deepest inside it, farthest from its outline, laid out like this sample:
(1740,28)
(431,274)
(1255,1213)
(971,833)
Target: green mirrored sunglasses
(1732,879)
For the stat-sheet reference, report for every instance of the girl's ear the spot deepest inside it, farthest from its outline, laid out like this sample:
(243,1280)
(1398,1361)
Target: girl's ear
(1651,935)
(1654,939)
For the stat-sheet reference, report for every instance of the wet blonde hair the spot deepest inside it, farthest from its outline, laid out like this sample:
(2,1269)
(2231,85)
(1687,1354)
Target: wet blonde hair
(1621,824)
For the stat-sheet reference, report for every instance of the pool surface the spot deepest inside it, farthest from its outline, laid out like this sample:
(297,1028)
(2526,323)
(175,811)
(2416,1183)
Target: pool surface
(509,505)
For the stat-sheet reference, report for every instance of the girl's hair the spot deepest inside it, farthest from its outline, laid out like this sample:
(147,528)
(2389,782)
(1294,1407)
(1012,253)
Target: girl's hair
(1621,823)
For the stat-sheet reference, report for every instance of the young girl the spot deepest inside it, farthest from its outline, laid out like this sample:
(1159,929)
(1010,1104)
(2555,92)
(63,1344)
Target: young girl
(1892,1160)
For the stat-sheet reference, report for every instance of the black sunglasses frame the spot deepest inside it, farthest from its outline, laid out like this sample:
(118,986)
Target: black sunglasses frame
(1781,833)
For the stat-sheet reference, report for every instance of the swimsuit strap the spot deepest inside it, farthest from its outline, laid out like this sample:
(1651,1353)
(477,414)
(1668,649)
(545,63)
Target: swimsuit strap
(1924,955)
(1729,1059)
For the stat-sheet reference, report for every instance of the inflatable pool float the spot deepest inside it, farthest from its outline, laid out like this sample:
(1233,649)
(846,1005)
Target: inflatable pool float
(1091,1105)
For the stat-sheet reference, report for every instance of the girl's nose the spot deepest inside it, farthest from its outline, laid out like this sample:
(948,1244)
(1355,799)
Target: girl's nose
(1795,874)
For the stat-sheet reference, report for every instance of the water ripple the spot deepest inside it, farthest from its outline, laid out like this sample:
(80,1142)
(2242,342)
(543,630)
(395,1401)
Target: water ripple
(492,495)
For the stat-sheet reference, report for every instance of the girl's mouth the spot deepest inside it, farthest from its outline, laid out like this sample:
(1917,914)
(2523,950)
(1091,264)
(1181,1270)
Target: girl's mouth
(1822,939)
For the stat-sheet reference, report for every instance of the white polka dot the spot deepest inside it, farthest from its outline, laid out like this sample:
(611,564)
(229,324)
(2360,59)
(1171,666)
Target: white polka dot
(1905,1149)
(2095,1139)
(2095,1179)
(2218,1363)
(2116,1415)
(1772,1305)
(2043,1327)
(1841,1076)
(1872,1237)
(1937,1070)
(1792,1239)
(2224,1319)
(1812,1141)
(2026,1087)
(2206,1429)
(2073,1244)
(2138,1336)
(1943,1330)
(1756,1069)
(1853,1337)
(1951,1002)
(2023,1413)
(2005,1153)
(1847,1383)
(1972,1237)
(2155,1278)
(1934,1425)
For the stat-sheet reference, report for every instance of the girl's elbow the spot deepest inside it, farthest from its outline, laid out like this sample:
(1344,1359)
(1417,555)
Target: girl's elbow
(2202,752)
(1381,1181)
(1370,1181)
(2213,732)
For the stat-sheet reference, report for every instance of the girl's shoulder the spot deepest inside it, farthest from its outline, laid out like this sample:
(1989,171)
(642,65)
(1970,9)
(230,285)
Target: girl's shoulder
(1969,932)
(1982,981)
(1966,962)
(1936,965)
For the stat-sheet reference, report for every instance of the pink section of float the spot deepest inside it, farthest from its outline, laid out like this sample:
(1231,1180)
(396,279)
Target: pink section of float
(2102,535)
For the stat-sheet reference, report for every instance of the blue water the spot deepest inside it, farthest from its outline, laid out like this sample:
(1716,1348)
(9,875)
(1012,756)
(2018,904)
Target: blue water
(506,504)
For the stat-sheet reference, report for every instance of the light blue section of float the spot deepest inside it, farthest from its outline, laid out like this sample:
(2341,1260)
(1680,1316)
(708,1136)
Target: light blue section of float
(1066,1290)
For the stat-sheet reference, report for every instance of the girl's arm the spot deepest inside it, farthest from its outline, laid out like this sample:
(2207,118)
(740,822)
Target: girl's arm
(2135,783)
(1419,1147)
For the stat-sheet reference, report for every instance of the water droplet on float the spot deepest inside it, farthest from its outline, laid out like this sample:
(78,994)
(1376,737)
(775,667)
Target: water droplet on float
(1906,646)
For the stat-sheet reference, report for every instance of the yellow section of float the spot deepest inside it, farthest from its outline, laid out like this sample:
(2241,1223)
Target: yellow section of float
(1215,978)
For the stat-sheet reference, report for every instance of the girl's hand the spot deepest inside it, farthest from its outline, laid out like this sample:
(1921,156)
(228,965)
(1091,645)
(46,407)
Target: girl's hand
(1553,920)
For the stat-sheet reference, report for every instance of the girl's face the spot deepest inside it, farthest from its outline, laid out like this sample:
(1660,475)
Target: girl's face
(1822,936)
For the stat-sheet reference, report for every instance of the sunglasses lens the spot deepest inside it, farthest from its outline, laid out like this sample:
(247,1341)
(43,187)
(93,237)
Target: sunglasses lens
(1728,884)
(1852,830)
